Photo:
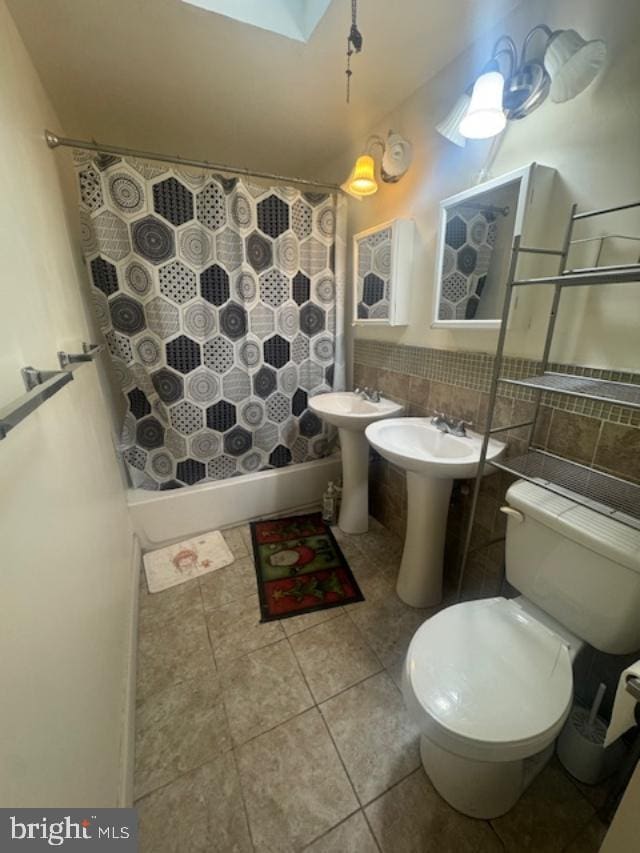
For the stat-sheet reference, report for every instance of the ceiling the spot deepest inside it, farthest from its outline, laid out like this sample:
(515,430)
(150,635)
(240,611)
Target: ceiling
(168,76)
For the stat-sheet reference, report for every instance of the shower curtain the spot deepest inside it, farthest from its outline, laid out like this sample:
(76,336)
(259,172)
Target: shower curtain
(222,304)
(470,236)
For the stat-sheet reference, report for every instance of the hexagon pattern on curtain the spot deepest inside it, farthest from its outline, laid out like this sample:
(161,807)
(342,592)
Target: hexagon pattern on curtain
(217,299)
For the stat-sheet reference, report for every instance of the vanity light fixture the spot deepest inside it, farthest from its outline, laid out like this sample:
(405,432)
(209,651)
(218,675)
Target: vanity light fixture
(485,115)
(362,180)
(396,159)
(511,86)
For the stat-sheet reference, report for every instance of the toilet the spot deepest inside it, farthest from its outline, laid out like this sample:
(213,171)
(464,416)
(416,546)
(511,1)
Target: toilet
(490,682)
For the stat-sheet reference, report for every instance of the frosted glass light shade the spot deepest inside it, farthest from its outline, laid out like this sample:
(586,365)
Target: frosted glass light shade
(485,116)
(449,127)
(572,63)
(362,180)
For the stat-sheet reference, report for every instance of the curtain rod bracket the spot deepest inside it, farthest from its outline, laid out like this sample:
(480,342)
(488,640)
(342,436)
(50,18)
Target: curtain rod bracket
(51,139)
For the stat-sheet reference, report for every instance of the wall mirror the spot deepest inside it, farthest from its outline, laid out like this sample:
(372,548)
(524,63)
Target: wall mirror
(476,231)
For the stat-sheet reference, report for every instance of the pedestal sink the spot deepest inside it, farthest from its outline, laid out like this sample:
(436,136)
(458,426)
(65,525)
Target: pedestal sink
(432,460)
(351,413)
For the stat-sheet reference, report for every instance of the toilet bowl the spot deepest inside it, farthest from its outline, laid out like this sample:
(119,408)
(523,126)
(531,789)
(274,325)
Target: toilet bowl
(490,688)
(490,682)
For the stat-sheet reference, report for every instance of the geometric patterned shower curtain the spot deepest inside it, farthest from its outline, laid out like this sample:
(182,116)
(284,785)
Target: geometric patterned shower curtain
(221,301)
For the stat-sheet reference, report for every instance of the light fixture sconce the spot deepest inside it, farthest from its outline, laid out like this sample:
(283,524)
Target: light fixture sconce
(395,161)
(511,86)
(485,116)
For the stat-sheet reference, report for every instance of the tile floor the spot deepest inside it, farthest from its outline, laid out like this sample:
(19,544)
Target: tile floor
(292,735)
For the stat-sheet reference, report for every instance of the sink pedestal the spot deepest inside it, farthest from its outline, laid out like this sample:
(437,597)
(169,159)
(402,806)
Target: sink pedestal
(354,511)
(420,577)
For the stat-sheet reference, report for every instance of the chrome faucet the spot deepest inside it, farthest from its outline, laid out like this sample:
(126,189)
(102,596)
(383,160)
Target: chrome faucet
(370,394)
(452,426)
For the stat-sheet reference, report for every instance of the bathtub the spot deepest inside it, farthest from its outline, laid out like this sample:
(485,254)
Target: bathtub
(160,518)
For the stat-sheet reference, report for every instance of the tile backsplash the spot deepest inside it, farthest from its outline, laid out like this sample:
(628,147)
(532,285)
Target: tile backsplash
(603,435)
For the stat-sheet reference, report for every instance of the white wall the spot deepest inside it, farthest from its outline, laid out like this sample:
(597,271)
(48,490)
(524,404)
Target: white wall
(65,567)
(593,143)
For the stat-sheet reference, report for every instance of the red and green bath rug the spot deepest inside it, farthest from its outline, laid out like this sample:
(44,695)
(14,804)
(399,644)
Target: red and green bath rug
(300,567)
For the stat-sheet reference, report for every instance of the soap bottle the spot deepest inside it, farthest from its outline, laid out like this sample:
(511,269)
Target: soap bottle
(329,504)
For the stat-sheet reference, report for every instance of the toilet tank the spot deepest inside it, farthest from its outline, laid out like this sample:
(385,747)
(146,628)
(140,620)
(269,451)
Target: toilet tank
(579,566)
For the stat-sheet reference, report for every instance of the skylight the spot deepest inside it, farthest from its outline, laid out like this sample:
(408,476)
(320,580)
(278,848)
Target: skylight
(295,19)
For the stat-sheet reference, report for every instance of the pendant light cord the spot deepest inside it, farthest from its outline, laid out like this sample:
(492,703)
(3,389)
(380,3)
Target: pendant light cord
(354,44)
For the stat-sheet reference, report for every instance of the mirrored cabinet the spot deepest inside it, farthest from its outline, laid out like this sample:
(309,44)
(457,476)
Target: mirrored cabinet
(382,262)
(476,232)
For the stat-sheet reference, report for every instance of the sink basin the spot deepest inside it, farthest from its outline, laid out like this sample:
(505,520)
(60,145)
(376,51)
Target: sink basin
(347,410)
(416,445)
(432,460)
(352,414)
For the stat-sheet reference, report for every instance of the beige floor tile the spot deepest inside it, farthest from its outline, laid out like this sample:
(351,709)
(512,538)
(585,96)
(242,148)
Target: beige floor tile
(381,545)
(590,839)
(348,542)
(375,583)
(235,629)
(177,730)
(596,794)
(262,690)
(394,668)
(201,812)
(228,584)
(375,737)
(413,818)
(547,817)
(294,784)
(352,836)
(333,656)
(177,651)
(245,532)
(296,624)
(236,542)
(179,602)
(388,625)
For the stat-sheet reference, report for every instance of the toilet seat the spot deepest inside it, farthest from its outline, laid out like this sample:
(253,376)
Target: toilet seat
(486,680)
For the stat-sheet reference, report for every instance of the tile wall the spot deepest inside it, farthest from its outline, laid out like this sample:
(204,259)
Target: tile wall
(600,434)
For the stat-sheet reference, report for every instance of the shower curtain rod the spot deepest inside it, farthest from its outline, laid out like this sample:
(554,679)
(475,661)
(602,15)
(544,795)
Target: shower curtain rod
(55,141)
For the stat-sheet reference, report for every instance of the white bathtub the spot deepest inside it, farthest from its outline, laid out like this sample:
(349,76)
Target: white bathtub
(160,518)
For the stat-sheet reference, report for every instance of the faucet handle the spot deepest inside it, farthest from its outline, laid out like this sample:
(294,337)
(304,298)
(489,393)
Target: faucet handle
(357,390)
(459,427)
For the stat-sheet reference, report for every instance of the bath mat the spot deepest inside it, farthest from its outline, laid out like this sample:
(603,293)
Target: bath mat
(183,561)
(300,567)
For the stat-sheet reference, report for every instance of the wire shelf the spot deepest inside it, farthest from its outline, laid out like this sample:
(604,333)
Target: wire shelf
(603,493)
(620,393)
(587,276)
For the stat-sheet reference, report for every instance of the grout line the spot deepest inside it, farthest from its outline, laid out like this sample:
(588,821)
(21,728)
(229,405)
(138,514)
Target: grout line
(596,444)
(368,802)
(239,746)
(496,834)
(242,795)
(330,830)
(371,830)
(349,686)
(344,766)
(202,764)
(225,663)
(233,746)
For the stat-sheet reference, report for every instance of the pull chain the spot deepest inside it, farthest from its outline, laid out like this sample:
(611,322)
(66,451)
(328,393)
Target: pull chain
(354,44)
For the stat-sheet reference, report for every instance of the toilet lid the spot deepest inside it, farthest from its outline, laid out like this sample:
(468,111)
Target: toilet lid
(487,671)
